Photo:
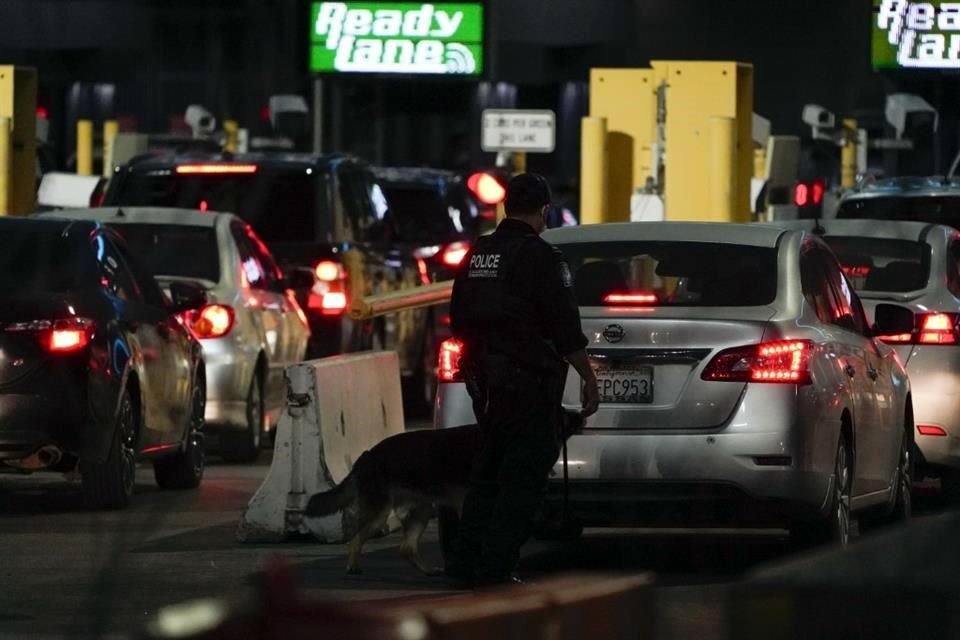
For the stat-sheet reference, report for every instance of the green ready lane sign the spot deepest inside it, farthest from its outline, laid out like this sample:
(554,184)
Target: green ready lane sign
(916,35)
(397,37)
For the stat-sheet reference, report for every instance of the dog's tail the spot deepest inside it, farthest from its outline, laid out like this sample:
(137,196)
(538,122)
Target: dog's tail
(335,499)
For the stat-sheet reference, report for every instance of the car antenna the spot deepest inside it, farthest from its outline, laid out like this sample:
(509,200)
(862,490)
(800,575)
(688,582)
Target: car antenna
(120,213)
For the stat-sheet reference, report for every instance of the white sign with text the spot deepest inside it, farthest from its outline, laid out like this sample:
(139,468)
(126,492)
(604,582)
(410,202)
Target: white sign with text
(531,130)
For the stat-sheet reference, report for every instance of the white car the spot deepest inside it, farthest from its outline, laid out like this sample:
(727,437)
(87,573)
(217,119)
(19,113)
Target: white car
(252,327)
(740,383)
(915,264)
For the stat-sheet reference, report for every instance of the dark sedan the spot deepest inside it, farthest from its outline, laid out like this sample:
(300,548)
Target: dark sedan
(96,370)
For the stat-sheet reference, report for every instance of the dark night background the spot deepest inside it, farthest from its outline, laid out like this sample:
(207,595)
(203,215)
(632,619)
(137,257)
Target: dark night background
(231,55)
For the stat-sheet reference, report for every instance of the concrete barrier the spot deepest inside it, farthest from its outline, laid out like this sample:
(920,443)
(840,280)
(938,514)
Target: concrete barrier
(337,408)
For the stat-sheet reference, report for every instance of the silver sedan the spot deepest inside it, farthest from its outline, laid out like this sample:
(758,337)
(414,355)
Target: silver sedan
(252,327)
(740,383)
(914,264)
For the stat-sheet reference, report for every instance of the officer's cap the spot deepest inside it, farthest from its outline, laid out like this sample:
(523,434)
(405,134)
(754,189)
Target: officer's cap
(527,192)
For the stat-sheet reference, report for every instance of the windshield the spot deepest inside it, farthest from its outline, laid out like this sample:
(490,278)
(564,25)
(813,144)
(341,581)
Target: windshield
(174,250)
(882,264)
(685,274)
(281,207)
(421,213)
(43,261)
(934,209)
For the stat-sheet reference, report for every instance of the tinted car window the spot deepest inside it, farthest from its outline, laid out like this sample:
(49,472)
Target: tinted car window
(694,274)
(253,271)
(936,209)
(881,264)
(285,207)
(44,261)
(420,213)
(356,190)
(815,289)
(174,250)
(116,275)
(848,314)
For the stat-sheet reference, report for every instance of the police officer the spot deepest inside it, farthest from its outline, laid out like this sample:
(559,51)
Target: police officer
(514,310)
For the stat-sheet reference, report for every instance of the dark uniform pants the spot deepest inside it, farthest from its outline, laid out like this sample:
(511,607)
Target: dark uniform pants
(509,476)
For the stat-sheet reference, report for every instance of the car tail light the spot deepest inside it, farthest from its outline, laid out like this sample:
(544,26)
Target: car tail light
(68,335)
(931,328)
(637,297)
(210,321)
(333,303)
(785,361)
(454,253)
(451,352)
(328,271)
(931,430)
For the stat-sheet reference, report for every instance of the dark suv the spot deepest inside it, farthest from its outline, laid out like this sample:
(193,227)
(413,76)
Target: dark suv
(310,210)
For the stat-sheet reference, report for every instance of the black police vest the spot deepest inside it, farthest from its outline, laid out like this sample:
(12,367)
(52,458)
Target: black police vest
(497,320)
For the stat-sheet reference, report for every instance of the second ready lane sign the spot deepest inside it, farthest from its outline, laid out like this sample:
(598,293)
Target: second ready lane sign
(531,130)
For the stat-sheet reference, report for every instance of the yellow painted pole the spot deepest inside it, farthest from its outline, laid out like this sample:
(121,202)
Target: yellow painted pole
(110,129)
(722,140)
(84,147)
(353,262)
(4,165)
(848,154)
(593,171)
(230,128)
(519,162)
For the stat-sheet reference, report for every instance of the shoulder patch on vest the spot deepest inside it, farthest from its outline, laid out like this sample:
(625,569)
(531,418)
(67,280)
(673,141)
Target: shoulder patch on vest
(565,276)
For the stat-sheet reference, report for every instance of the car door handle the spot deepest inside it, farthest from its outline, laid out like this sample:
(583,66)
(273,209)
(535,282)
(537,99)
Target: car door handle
(873,373)
(850,370)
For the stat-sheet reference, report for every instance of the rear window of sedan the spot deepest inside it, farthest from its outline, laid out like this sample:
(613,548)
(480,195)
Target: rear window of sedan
(941,209)
(174,250)
(882,264)
(683,274)
(44,261)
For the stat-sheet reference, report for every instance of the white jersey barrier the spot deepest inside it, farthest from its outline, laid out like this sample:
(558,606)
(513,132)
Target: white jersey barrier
(337,408)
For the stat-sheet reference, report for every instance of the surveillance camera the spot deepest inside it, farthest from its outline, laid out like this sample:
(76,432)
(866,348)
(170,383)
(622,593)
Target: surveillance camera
(910,115)
(200,121)
(818,117)
(289,115)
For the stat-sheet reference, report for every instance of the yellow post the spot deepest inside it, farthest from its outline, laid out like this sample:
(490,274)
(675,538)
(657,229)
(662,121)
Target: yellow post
(4,166)
(84,147)
(230,128)
(722,175)
(760,163)
(353,262)
(110,129)
(593,170)
(519,162)
(848,154)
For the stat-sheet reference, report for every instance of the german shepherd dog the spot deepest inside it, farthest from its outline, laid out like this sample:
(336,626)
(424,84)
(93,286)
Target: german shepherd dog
(409,474)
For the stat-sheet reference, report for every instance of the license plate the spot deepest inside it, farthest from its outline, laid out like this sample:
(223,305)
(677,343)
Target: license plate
(627,386)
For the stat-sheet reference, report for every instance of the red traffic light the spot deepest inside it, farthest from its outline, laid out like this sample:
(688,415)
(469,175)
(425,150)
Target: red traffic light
(487,188)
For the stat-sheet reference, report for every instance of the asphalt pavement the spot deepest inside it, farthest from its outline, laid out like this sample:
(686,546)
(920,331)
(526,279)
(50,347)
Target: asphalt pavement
(74,573)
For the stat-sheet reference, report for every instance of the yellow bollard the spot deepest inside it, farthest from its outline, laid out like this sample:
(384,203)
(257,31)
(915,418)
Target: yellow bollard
(353,263)
(84,147)
(722,140)
(4,166)
(593,171)
(760,163)
(230,128)
(848,154)
(110,129)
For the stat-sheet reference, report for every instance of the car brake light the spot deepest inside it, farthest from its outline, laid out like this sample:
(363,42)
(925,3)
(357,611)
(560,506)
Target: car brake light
(932,329)
(630,298)
(328,271)
(785,361)
(451,352)
(801,195)
(454,253)
(210,321)
(58,336)
(931,430)
(216,168)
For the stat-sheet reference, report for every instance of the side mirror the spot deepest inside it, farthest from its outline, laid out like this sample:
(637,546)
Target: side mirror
(298,279)
(187,296)
(892,319)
